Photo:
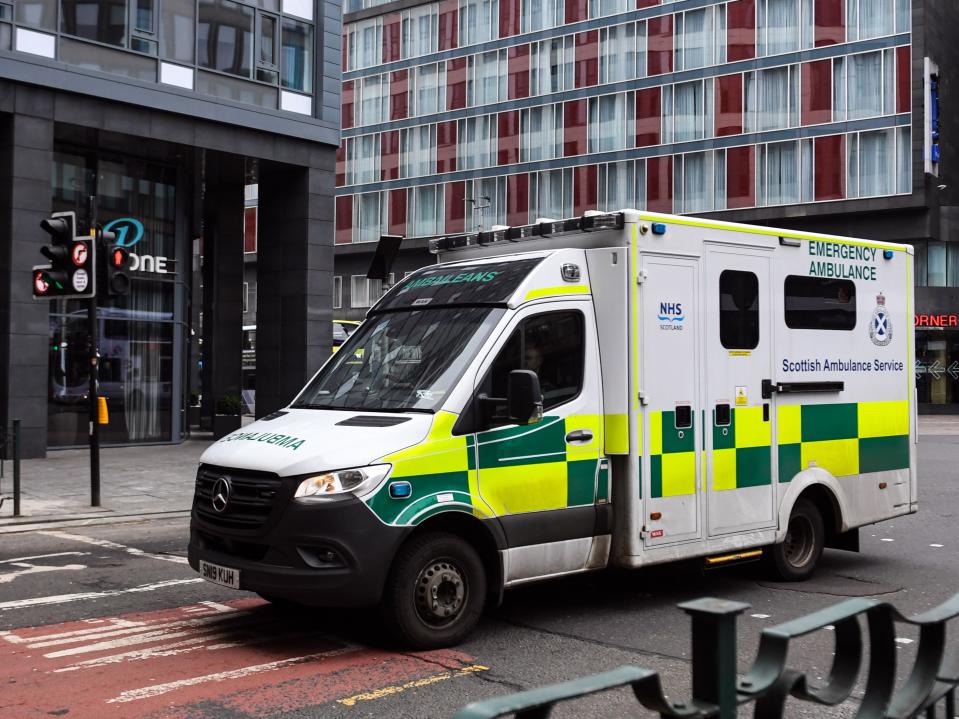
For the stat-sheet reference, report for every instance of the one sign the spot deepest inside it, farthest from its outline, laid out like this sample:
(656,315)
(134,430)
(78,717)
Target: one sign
(942,320)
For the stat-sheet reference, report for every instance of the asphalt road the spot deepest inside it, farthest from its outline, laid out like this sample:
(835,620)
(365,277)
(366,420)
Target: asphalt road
(110,621)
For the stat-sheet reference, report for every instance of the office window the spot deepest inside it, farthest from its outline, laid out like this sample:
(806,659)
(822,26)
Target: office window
(369,217)
(420,31)
(478,21)
(476,142)
(688,111)
(426,211)
(879,163)
(864,85)
(428,89)
(362,159)
(785,172)
(904,161)
(337,292)
(599,8)
(178,30)
(621,185)
(903,16)
(738,310)
(542,14)
(541,133)
(608,121)
(772,99)
(296,56)
(551,66)
(784,26)
(694,182)
(103,21)
(622,52)
(700,37)
(365,44)
(486,76)
(225,37)
(818,303)
(485,203)
(551,194)
(418,151)
(372,105)
(869,18)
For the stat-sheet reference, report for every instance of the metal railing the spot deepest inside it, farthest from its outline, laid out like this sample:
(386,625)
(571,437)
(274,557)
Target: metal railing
(10,450)
(770,682)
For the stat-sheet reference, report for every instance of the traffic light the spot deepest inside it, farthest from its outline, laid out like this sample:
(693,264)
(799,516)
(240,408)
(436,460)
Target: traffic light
(118,262)
(71,272)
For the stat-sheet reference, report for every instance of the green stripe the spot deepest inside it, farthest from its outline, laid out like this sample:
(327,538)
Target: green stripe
(672,442)
(880,454)
(829,421)
(790,461)
(580,481)
(388,509)
(753,467)
(519,446)
(655,476)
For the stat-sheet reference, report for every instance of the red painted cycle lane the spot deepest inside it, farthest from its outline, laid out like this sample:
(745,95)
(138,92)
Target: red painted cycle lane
(244,655)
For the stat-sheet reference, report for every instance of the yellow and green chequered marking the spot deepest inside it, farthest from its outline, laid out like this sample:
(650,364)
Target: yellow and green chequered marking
(844,439)
(530,469)
(672,456)
(742,453)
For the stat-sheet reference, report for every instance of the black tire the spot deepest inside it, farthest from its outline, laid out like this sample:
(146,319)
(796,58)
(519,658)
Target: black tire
(795,559)
(435,592)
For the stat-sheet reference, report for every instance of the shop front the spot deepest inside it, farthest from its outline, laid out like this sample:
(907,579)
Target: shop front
(937,350)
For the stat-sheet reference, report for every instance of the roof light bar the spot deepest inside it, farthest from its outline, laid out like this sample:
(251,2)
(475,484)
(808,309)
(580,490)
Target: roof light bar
(590,222)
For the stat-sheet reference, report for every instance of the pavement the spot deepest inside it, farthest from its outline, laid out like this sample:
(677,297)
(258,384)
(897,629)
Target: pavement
(155,480)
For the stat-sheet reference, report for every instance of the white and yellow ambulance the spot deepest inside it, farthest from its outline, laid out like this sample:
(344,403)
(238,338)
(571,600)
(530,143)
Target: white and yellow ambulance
(619,389)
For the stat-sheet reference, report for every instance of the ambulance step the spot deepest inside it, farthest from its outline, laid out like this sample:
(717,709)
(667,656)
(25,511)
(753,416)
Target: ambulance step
(724,559)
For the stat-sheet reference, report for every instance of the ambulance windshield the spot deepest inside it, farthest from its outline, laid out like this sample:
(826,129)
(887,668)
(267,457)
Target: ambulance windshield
(406,361)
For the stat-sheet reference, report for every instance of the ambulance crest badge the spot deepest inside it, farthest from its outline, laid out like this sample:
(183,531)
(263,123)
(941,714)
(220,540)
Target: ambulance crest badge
(880,327)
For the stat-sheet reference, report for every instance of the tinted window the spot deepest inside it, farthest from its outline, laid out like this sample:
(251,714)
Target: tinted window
(738,310)
(818,303)
(551,345)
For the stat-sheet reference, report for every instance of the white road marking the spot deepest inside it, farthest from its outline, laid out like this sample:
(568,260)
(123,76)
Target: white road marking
(83,596)
(107,544)
(116,623)
(43,556)
(887,539)
(39,569)
(904,640)
(218,607)
(937,546)
(759,616)
(131,695)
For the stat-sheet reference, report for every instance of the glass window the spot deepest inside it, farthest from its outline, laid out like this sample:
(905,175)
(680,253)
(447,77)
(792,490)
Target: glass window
(369,213)
(362,159)
(617,53)
(225,37)
(607,123)
(870,162)
(426,212)
(904,152)
(337,292)
(551,194)
(696,40)
(779,177)
(621,185)
(365,44)
(542,14)
(37,13)
(903,16)
(693,179)
(551,66)
(553,346)
(177,30)
(476,142)
(865,84)
(418,151)
(429,89)
(267,52)
(684,111)
(373,103)
(144,16)
(486,78)
(784,26)
(772,99)
(478,21)
(420,31)
(869,18)
(486,202)
(738,310)
(100,20)
(818,303)
(936,264)
(599,8)
(541,133)
(296,69)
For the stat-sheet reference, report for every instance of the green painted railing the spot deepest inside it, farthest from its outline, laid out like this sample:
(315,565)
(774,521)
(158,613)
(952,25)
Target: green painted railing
(770,682)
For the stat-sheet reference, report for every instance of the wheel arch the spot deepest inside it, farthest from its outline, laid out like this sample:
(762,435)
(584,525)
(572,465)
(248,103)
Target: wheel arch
(486,536)
(821,488)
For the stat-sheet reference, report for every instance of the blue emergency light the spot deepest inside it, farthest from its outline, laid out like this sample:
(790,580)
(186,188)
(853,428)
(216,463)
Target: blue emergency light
(401,490)
(659,228)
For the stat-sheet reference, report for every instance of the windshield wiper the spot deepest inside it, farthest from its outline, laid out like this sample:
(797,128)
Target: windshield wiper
(307,405)
(343,408)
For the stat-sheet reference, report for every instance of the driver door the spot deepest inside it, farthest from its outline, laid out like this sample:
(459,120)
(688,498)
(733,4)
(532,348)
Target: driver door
(541,479)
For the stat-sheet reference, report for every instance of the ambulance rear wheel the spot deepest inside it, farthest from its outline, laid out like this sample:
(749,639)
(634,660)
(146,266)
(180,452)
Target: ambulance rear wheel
(435,593)
(795,559)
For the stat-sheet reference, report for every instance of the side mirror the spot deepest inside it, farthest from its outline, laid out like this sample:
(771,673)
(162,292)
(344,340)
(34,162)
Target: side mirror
(524,397)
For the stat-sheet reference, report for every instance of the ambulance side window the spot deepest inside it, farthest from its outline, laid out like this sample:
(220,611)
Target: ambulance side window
(738,310)
(552,345)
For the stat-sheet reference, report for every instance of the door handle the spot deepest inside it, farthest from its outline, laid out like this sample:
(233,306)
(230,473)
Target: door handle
(579,435)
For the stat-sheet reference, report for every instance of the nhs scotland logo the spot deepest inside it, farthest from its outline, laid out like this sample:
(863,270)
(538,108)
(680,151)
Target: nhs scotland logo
(671,316)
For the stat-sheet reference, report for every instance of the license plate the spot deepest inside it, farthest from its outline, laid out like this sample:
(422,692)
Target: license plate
(220,575)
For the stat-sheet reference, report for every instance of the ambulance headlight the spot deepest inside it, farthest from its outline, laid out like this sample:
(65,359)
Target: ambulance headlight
(359,481)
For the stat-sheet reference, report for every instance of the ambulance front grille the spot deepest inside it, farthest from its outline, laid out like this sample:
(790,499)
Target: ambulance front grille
(251,498)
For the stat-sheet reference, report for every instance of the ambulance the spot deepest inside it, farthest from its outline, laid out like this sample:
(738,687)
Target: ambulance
(619,389)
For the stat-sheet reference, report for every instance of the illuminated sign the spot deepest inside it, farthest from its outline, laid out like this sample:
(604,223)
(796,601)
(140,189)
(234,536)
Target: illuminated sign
(937,321)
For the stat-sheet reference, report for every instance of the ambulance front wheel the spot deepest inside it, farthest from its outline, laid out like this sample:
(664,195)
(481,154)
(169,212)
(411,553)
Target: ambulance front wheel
(435,593)
(795,559)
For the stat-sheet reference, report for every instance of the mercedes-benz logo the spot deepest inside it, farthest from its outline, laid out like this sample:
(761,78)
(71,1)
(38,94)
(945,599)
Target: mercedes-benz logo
(221,494)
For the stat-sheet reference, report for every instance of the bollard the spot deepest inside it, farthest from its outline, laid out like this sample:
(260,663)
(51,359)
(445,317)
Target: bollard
(714,652)
(16,468)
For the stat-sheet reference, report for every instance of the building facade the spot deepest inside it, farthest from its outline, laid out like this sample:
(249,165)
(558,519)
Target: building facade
(151,118)
(459,115)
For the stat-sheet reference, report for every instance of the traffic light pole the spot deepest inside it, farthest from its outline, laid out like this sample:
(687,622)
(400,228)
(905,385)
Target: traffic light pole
(94,409)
